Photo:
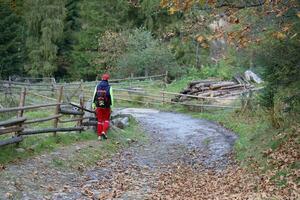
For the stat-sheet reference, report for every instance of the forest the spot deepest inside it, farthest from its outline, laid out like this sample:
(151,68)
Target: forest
(79,39)
(192,130)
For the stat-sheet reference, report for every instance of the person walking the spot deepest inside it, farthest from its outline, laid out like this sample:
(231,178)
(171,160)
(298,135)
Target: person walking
(103,102)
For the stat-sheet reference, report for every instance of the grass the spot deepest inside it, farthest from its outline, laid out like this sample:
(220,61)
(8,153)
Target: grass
(252,131)
(34,145)
(37,144)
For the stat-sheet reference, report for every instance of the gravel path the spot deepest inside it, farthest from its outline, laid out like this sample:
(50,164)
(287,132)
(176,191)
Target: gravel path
(175,140)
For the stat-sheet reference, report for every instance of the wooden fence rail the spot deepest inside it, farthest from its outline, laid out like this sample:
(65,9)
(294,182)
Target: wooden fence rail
(22,108)
(17,127)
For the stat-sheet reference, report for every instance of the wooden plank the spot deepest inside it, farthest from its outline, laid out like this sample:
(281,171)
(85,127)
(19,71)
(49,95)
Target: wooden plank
(32,121)
(11,141)
(12,122)
(12,129)
(27,107)
(51,130)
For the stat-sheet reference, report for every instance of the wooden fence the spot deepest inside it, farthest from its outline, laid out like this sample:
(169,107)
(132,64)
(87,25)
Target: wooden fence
(54,95)
(59,96)
(17,126)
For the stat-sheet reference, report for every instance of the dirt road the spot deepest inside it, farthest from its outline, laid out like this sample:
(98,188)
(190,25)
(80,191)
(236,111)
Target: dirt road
(176,140)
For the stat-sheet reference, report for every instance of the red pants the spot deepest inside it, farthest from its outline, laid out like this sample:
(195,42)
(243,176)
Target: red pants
(103,115)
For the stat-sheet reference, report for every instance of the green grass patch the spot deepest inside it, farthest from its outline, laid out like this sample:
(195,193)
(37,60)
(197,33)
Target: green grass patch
(254,132)
(37,144)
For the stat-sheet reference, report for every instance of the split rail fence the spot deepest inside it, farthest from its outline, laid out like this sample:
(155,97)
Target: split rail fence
(61,97)
(57,96)
(17,127)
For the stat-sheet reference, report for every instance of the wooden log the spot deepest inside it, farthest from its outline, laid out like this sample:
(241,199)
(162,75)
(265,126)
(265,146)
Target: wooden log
(12,122)
(27,107)
(213,93)
(202,85)
(221,84)
(70,112)
(192,83)
(12,129)
(50,130)
(11,141)
(234,87)
(85,109)
(32,121)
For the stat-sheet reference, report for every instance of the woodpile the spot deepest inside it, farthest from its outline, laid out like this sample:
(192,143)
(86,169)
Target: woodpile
(203,89)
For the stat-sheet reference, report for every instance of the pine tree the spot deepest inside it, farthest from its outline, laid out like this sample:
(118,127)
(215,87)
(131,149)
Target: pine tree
(66,47)
(96,17)
(45,21)
(11,41)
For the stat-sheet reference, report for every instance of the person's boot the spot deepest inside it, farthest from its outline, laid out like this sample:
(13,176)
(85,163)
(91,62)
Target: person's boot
(104,136)
(99,137)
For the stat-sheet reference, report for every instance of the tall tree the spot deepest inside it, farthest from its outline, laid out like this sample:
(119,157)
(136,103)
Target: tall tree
(45,21)
(72,26)
(11,41)
(96,17)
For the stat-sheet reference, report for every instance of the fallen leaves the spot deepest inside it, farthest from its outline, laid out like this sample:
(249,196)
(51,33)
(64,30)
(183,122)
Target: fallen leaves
(279,35)
(234,183)
(278,181)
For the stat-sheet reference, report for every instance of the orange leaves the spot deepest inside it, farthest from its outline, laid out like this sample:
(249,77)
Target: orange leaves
(233,19)
(200,39)
(205,45)
(279,35)
(203,41)
(276,182)
(176,5)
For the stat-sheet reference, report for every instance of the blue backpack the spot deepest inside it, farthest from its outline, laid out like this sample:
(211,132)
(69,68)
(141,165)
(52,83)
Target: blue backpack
(102,97)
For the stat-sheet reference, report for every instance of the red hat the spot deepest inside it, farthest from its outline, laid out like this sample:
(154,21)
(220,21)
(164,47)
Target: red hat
(105,77)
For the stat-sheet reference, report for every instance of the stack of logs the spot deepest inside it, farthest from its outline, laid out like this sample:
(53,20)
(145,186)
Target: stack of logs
(211,88)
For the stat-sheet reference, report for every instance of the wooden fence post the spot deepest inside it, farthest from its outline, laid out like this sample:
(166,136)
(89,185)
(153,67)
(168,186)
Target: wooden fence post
(9,86)
(22,102)
(131,79)
(59,98)
(81,102)
(53,87)
(166,79)
(21,112)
